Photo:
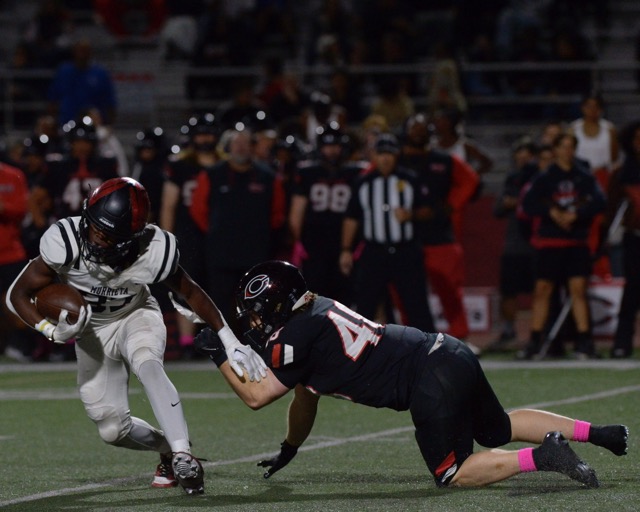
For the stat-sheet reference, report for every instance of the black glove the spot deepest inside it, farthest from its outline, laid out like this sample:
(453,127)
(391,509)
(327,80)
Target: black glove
(208,343)
(287,452)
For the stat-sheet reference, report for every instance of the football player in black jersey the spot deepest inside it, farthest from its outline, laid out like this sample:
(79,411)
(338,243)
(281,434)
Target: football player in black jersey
(317,346)
(111,255)
(321,193)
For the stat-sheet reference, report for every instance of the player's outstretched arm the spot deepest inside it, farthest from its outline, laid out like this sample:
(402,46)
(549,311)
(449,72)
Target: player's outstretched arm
(302,415)
(255,393)
(240,356)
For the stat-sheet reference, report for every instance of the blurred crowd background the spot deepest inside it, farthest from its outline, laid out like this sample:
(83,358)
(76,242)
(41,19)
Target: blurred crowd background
(160,89)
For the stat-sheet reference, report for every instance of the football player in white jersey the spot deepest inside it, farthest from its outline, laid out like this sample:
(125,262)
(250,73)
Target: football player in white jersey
(111,255)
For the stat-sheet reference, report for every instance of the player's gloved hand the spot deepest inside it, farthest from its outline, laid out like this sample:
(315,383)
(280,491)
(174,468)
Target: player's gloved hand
(242,356)
(187,313)
(65,331)
(287,452)
(208,343)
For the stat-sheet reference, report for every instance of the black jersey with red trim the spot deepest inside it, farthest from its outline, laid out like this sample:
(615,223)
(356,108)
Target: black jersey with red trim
(332,350)
(328,191)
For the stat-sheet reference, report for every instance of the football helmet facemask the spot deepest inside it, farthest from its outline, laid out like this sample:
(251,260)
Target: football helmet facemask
(266,297)
(119,208)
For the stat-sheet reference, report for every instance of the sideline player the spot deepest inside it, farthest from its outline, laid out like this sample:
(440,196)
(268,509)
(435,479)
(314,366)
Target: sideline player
(318,346)
(111,255)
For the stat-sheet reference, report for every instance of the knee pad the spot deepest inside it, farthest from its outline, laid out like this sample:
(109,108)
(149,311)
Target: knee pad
(111,427)
(142,355)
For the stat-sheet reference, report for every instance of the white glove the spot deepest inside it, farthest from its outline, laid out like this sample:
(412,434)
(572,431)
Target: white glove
(242,356)
(65,331)
(187,313)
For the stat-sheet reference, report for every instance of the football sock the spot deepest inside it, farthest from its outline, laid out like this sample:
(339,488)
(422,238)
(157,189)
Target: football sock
(612,437)
(525,460)
(581,431)
(166,405)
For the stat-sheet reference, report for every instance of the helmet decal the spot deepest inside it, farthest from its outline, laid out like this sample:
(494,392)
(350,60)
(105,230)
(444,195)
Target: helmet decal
(256,286)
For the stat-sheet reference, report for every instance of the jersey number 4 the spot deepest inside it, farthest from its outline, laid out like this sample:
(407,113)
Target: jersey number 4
(355,330)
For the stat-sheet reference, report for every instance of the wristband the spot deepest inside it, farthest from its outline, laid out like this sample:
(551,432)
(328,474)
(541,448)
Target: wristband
(46,328)
(218,357)
(288,449)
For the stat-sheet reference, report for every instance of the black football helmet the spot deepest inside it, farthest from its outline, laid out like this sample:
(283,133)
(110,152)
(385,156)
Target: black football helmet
(331,134)
(266,298)
(119,208)
(83,129)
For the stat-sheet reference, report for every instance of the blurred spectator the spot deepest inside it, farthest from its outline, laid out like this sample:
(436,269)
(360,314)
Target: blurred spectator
(516,261)
(243,107)
(49,33)
(80,85)
(124,18)
(38,218)
(14,193)
(345,92)
(109,145)
(274,27)
(449,183)
(71,179)
(527,47)
(393,103)
(149,166)
(331,28)
(290,101)
(518,24)
(372,127)
(598,147)
(449,136)
(272,80)
(445,91)
(23,88)
(568,46)
(388,17)
(178,35)
(321,193)
(624,197)
(222,40)
(237,204)
(384,206)
(320,113)
(177,198)
(482,83)
(565,199)
(550,130)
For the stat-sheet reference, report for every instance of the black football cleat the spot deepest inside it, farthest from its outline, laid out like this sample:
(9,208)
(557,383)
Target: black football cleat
(555,454)
(612,437)
(189,472)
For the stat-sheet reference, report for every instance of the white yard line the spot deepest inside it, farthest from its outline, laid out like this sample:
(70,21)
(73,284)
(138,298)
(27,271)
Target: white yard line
(316,446)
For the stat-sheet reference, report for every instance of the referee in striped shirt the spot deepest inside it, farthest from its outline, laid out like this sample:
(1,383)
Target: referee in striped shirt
(384,203)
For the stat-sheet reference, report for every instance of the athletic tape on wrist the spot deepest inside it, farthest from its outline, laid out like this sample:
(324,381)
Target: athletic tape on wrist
(46,328)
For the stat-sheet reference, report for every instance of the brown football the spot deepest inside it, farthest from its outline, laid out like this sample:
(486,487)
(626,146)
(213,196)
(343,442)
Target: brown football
(51,299)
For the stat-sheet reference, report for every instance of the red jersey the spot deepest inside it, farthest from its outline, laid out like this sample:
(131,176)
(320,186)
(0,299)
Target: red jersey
(14,196)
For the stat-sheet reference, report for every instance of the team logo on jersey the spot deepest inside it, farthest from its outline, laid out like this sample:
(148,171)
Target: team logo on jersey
(256,286)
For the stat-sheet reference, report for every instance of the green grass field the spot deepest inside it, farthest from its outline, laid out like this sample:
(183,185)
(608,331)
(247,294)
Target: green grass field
(357,458)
